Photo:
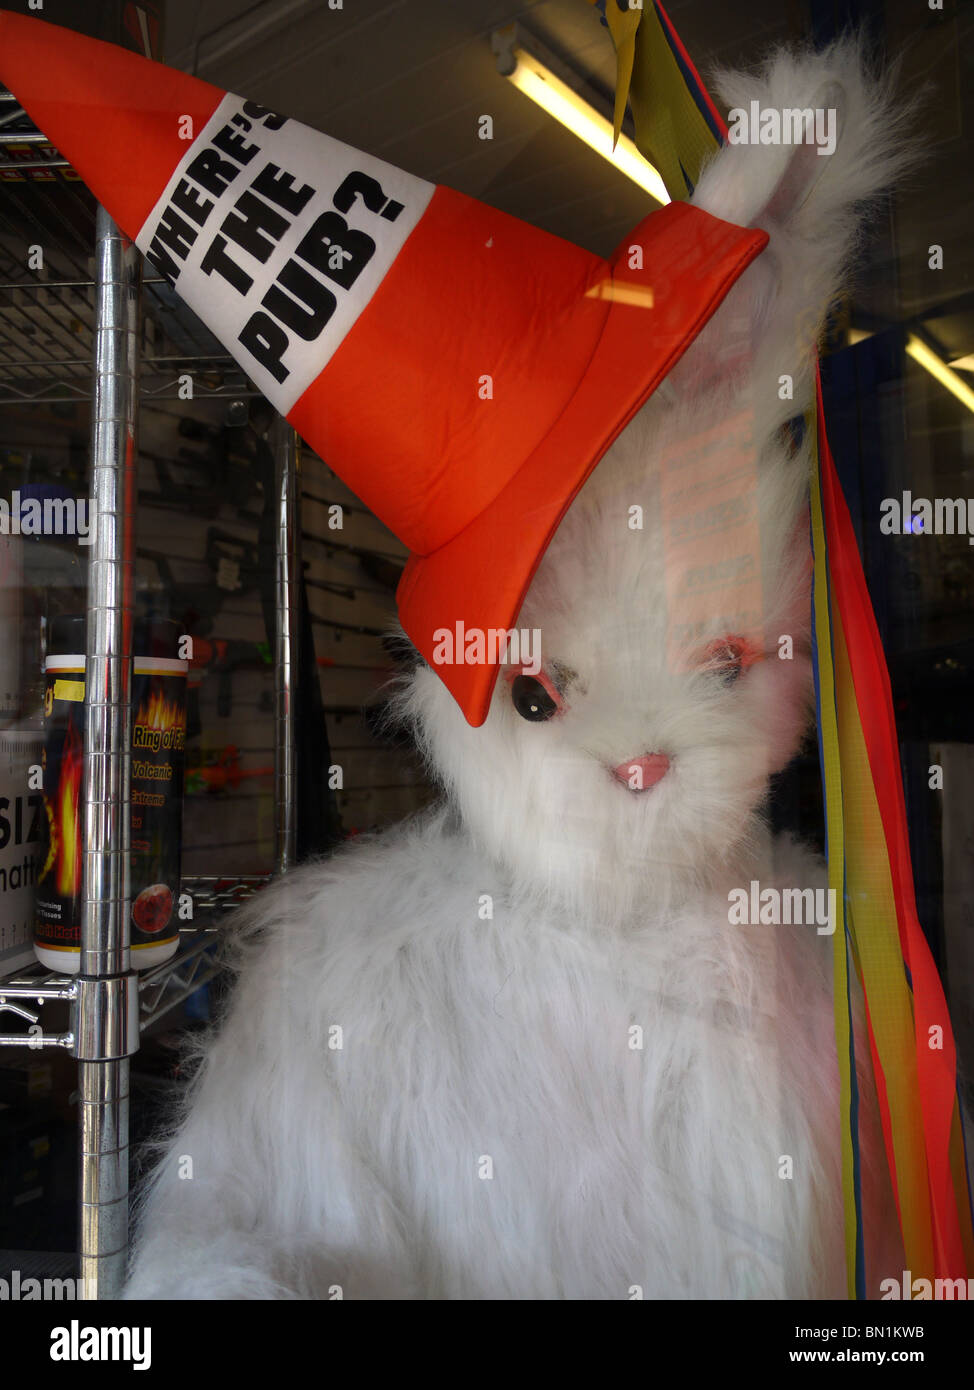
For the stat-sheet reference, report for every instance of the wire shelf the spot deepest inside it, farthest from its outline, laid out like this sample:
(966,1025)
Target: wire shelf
(164,986)
(47,311)
(55,243)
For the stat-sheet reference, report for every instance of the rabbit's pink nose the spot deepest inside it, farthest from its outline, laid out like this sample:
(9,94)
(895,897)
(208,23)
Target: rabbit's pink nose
(639,774)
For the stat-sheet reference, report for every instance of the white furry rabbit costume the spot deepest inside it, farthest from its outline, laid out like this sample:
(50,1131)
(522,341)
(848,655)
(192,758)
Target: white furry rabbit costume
(514,1048)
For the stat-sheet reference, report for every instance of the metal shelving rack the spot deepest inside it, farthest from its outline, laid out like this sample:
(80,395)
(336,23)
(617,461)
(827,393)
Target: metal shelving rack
(109,1003)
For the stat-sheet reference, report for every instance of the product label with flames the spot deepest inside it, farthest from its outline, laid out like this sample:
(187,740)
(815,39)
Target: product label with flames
(158,740)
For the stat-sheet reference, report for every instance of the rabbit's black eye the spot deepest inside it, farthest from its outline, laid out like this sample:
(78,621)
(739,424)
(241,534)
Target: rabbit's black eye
(531,700)
(729,658)
(729,666)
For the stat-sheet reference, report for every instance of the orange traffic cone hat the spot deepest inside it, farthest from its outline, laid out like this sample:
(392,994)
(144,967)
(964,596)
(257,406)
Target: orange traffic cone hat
(462,371)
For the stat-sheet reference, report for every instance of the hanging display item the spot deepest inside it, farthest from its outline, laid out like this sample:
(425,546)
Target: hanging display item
(867,847)
(568,1034)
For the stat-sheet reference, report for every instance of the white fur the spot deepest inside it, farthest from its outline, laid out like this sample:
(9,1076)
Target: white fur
(487,1129)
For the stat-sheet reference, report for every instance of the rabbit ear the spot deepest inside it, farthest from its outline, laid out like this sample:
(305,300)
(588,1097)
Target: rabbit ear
(854,143)
(776,154)
(819,128)
(809,197)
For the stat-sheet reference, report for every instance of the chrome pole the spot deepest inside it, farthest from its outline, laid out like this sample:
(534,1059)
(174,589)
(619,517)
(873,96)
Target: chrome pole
(287,465)
(108,1006)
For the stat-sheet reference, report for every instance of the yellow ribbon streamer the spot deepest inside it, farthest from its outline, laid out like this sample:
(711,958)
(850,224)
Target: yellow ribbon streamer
(836,857)
(622,26)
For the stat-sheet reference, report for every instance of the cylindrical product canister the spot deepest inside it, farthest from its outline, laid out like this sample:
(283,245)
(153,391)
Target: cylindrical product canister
(21,843)
(158,744)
